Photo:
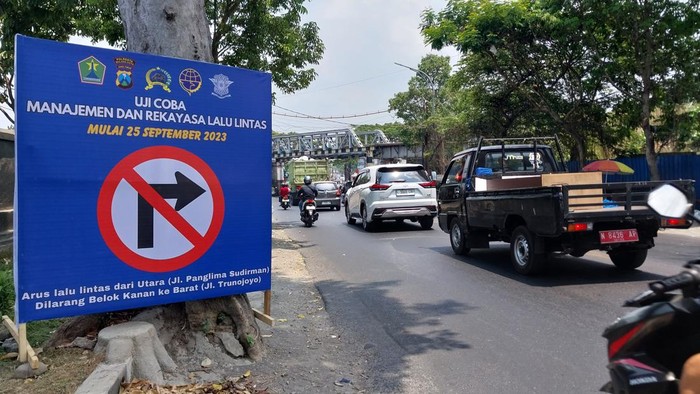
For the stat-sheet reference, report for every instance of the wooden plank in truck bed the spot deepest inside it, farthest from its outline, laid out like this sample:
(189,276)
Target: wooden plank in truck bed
(578,178)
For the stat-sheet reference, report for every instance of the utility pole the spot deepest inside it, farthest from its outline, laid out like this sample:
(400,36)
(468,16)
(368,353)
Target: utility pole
(433,101)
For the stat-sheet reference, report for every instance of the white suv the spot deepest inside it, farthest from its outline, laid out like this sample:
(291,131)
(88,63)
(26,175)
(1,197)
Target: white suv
(392,192)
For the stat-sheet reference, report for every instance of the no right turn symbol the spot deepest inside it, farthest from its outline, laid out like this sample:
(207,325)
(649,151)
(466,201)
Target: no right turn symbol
(160,209)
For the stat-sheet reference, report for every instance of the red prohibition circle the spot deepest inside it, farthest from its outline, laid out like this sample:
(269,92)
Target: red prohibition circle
(124,170)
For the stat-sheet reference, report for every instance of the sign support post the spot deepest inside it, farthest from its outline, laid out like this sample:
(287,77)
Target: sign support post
(26,353)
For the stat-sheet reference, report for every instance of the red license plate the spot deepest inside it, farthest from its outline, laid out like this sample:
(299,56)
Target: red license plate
(619,236)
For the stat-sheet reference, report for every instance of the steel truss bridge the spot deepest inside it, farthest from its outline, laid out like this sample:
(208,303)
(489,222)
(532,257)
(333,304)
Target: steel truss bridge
(341,143)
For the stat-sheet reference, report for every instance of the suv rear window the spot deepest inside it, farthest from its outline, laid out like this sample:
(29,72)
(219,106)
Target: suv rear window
(325,186)
(402,174)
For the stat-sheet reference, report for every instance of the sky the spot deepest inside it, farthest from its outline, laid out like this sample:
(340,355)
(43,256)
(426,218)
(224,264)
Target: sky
(357,76)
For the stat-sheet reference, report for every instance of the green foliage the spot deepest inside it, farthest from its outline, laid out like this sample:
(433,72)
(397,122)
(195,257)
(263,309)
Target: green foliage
(649,52)
(43,19)
(250,340)
(527,69)
(546,66)
(632,144)
(260,35)
(207,326)
(425,108)
(100,20)
(393,131)
(7,288)
(38,332)
(266,36)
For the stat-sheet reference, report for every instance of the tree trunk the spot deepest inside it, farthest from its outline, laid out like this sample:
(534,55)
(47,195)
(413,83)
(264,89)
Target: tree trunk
(581,152)
(650,149)
(179,28)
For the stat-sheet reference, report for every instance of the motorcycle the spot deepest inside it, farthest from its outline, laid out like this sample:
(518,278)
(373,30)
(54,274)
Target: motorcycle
(648,346)
(285,202)
(308,212)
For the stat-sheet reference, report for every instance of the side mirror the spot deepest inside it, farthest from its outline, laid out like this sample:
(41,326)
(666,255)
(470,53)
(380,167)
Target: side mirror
(668,201)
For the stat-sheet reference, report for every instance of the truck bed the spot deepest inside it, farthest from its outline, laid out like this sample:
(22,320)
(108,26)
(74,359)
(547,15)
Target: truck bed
(543,207)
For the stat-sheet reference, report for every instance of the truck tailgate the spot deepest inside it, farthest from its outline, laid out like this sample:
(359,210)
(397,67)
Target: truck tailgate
(613,201)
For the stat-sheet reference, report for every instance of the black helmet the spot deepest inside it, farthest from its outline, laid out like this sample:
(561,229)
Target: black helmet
(307,180)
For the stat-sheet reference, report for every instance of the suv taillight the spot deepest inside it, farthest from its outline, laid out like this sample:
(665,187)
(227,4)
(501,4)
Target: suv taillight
(428,185)
(378,186)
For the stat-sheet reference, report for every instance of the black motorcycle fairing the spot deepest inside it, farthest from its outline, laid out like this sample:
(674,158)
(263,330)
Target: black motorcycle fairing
(624,324)
(648,346)
(640,374)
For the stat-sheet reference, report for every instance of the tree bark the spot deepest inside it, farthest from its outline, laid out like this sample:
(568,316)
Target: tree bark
(179,28)
(580,151)
(650,149)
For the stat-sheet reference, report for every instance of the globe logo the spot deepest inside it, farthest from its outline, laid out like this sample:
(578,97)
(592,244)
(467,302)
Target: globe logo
(190,80)
(124,80)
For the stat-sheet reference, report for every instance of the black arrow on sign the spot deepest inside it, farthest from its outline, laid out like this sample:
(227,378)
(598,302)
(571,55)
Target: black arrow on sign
(184,190)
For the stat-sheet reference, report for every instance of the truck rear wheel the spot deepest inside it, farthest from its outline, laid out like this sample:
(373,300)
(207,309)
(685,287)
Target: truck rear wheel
(458,238)
(522,252)
(628,259)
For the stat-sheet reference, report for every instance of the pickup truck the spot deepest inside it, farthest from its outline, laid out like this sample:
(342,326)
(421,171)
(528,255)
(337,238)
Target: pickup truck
(516,191)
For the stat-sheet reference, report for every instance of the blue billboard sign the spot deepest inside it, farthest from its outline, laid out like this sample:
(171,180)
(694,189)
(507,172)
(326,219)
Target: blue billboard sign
(141,180)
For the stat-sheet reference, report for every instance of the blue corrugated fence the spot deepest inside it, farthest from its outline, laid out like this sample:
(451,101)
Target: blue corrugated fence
(671,167)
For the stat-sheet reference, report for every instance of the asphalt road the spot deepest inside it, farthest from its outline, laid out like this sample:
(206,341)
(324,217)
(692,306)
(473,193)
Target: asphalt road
(440,323)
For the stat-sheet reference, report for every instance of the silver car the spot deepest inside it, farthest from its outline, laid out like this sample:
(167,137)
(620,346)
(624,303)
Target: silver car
(328,195)
(392,192)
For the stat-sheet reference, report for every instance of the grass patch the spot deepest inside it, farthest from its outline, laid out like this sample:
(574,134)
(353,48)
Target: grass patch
(6,254)
(7,285)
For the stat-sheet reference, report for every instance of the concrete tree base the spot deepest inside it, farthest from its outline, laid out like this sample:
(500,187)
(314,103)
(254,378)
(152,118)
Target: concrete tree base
(132,351)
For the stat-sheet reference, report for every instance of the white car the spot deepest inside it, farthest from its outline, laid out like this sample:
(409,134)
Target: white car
(392,192)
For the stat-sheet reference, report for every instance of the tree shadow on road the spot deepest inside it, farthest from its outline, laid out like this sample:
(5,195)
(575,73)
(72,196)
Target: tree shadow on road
(561,270)
(390,330)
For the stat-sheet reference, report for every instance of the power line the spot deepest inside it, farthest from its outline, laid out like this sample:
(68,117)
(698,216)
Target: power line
(303,115)
(341,85)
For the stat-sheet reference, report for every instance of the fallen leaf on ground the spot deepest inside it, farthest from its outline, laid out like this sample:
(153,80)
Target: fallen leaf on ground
(240,386)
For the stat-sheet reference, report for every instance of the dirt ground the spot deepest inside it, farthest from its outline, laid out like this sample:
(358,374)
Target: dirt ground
(305,353)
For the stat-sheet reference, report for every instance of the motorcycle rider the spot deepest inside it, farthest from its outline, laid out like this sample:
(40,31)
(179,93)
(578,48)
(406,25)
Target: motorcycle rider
(307,191)
(284,191)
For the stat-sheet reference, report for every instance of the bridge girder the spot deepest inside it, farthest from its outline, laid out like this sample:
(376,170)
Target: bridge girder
(338,143)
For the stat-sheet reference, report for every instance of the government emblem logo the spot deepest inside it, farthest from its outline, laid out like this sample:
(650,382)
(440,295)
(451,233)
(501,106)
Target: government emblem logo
(190,80)
(221,84)
(124,76)
(92,71)
(158,77)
